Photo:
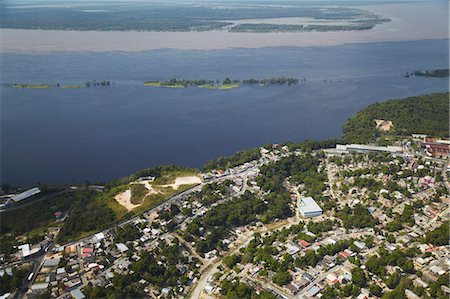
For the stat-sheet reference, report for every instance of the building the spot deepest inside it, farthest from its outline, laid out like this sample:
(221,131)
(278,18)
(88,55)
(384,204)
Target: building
(309,208)
(26,194)
(362,148)
(77,294)
(439,148)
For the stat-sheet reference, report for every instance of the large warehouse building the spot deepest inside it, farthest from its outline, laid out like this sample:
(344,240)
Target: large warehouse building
(309,208)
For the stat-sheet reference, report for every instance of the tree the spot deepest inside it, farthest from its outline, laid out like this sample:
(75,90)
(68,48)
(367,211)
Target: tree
(375,290)
(358,277)
(282,278)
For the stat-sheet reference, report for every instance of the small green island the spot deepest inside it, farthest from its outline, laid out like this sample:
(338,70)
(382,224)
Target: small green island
(439,73)
(93,83)
(227,83)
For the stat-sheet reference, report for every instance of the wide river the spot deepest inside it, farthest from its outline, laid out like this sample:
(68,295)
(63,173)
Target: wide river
(96,134)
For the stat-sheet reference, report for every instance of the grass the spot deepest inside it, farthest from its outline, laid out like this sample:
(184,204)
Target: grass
(154,84)
(71,86)
(36,86)
(222,86)
(138,193)
(229,86)
(169,177)
(162,84)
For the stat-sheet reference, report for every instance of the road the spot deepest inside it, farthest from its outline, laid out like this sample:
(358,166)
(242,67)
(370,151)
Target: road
(302,293)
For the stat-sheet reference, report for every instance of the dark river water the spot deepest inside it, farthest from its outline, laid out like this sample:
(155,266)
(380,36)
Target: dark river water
(97,134)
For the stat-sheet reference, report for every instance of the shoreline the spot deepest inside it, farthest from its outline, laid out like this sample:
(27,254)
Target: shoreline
(404,26)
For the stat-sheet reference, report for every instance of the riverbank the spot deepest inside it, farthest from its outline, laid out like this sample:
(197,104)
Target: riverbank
(404,26)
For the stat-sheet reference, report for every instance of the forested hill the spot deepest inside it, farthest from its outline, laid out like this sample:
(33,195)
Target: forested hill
(428,114)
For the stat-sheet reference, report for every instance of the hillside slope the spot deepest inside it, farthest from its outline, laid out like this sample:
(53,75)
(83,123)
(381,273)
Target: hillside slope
(428,114)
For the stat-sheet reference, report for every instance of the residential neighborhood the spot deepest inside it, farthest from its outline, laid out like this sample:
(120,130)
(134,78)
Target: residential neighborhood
(364,221)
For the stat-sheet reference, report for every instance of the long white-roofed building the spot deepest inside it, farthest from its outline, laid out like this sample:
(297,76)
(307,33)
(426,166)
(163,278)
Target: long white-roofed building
(309,208)
(26,194)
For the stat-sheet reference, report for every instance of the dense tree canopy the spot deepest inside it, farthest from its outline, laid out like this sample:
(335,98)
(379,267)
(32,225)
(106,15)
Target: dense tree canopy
(423,114)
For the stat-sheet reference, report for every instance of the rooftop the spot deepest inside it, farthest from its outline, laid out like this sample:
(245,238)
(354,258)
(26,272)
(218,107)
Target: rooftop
(309,205)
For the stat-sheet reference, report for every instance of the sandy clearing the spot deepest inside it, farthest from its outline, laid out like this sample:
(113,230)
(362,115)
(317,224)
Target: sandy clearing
(124,199)
(185,180)
(149,187)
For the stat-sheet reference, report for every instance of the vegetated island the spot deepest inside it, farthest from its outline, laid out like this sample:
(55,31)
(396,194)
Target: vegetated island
(93,83)
(227,83)
(183,17)
(440,73)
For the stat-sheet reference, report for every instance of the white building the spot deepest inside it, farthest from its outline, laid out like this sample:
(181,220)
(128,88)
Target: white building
(309,208)
(362,148)
(26,194)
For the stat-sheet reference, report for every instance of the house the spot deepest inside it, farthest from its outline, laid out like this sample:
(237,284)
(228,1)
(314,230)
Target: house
(304,243)
(331,279)
(293,289)
(360,245)
(122,247)
(51,263)
(77,294)
(313,291)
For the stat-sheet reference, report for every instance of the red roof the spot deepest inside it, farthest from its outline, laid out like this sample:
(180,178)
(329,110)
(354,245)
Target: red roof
(88,250)
(344,254)
(304,243)
(58,214)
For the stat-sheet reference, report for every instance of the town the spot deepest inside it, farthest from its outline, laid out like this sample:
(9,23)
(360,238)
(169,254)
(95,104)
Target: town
(350,220)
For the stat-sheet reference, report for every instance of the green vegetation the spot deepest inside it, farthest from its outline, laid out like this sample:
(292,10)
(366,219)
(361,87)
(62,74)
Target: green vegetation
(218,222)
(100,211)
(399,257)
(299,169)
(273,81)
(237,289)
(441,73)
(184,17)
(35,218)
(423,114)
(227,83)
(138,193)
(93,83)
(363,25)
(359,217)
(88,215)
(126,233)
(10,284)
(439,236)
(238,158)
(175,83)
(159,268)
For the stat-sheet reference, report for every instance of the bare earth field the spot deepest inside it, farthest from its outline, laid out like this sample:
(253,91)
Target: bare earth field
(410,21)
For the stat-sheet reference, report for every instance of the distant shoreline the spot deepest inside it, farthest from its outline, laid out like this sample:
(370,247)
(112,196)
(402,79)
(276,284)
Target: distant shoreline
(404,26)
